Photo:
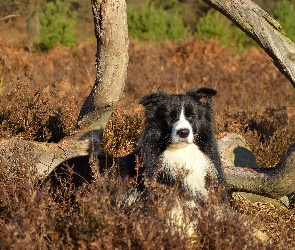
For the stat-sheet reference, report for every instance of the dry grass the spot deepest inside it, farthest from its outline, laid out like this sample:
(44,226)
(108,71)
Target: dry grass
(41,99)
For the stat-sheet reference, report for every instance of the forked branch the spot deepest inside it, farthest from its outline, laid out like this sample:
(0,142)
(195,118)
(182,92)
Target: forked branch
(111,31)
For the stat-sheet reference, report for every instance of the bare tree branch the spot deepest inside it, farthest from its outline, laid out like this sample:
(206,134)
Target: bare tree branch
(270,182)
(265,30)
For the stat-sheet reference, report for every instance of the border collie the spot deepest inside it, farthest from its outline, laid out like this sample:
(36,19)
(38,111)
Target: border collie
(178,141)
(177,146)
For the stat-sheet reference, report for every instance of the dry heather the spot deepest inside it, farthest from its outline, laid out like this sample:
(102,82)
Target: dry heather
(31,220)
(41,97)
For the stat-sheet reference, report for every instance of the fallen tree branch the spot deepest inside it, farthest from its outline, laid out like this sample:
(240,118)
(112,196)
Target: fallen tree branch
(270,182)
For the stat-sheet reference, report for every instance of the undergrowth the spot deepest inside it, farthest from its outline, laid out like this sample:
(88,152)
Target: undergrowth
(253,99)
(31,219)
(27,114)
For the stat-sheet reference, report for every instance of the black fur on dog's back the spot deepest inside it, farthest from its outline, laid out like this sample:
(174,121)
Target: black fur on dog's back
(78,170)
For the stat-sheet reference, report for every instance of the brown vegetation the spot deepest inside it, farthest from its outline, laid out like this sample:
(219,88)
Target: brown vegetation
(41,97)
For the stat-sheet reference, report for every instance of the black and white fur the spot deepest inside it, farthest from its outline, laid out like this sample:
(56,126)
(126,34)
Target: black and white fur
(178,141)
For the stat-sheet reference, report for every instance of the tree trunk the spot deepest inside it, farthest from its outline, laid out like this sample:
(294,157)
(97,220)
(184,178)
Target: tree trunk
(111,31)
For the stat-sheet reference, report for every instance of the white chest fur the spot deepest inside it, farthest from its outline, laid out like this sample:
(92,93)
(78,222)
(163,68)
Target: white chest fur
(189,165)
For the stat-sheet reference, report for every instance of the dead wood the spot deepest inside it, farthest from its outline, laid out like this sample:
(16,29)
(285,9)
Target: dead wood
(267,32)
(244,175)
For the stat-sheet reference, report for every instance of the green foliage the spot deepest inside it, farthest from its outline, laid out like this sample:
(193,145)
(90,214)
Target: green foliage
(216,25)
(213,25)
(284,13)
(155,24)
(57,25)
(172,5)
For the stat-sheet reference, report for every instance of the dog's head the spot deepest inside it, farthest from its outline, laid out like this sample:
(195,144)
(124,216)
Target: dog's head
(182,119)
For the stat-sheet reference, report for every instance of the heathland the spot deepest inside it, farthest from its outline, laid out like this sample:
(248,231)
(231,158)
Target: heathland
(42,91)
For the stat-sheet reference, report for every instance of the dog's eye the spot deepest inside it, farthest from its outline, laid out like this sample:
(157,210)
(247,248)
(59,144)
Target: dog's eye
(191,118)
(170,118)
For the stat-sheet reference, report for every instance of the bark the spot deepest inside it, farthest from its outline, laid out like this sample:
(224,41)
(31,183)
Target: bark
(111,31)
(265,30)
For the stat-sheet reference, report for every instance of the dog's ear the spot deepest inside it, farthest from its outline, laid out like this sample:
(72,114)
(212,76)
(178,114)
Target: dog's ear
(151,101)
(203,96)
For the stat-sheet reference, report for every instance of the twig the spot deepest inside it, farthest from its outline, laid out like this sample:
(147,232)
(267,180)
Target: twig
(9,16)
(2,61)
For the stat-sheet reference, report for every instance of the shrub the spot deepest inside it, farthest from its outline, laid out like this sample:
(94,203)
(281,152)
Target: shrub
(215,25)
(57,25)
(30,117)
(155,24)
(284,13)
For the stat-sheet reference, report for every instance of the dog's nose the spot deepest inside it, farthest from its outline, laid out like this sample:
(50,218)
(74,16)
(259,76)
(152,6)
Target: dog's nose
(183,133)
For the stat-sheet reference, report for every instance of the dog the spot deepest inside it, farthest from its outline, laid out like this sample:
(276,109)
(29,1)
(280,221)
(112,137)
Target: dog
(177,146)
(180,150)
(178,141)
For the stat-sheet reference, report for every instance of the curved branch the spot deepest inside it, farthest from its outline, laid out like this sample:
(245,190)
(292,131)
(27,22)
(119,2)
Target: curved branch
(265,30)
(111,32)
(9,16)
(243,174)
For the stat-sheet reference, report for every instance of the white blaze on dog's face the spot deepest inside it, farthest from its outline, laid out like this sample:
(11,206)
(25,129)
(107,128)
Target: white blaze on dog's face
(182,132)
